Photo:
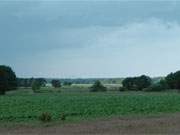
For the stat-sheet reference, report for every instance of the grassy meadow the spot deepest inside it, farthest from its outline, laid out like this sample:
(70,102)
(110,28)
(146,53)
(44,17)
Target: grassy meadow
(77,103)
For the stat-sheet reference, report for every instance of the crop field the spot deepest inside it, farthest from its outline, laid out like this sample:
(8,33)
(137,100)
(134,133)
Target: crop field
(25,106)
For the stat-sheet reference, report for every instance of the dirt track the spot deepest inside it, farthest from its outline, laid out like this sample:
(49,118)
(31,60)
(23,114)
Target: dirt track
(154,125)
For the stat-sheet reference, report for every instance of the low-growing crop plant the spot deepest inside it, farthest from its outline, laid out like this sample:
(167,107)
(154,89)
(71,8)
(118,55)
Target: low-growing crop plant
(63,117)
(79,105)
(45,117)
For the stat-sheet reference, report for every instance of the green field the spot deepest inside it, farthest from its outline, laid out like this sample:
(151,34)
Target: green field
(25,106)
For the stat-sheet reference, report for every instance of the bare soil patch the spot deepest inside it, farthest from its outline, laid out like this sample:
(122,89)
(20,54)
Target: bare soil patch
(169,124)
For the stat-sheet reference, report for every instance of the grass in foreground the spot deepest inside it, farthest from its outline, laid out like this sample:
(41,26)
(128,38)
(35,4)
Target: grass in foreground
(27,107)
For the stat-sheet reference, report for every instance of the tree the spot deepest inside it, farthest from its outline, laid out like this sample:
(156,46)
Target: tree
(173,80)
(56,83)
(8,79)
(3,83)
(143,82)
(137,83)
(128,83)
(36,85)
(97,86)
(42,81)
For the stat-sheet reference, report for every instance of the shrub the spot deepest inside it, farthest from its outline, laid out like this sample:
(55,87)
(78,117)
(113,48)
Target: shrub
(36,85)
(97,86)
(160,86)
(8,80)
(164,84)
(122,89)
(45,117)
(154,87)
(63,117)
(56,83)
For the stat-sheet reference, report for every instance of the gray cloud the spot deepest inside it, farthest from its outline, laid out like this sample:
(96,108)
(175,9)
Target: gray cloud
(30,30)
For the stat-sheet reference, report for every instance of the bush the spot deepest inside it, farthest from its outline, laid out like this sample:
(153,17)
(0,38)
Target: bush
(164,84)
(56,83)
(97,86)
(36,85)
(123,89)
(45,117)
(8,80)
(153,88)
(63,117)
(160,86)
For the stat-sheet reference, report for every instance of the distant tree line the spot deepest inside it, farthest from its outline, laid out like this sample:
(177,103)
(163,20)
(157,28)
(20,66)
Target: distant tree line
(27,82)
(9,81)
(89,80)
(145,83)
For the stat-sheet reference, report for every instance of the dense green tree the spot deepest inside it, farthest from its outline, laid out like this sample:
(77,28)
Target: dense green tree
(170,79)
(56,83)
(173,80)
(143,82)
(128,83)
(8,79)
(36,85)
(42,81)
(137,83)
(3,83)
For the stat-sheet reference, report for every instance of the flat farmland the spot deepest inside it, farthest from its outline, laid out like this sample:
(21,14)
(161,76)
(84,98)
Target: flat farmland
(26,106)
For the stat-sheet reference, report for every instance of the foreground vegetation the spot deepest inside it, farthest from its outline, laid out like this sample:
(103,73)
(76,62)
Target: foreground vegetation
(25,106)
(59,101)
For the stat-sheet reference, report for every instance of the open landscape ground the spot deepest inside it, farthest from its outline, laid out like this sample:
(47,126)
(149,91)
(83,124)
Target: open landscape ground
(81,67)
(110,112)
(26,106)
(166,124)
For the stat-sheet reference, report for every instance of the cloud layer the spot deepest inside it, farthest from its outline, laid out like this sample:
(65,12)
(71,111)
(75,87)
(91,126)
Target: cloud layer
(90,39)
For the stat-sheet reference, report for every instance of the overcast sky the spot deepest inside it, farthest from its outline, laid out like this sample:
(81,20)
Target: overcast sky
(75,39)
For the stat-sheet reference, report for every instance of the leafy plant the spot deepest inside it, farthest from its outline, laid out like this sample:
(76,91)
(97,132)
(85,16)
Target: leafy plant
(45,117)
(63,117)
